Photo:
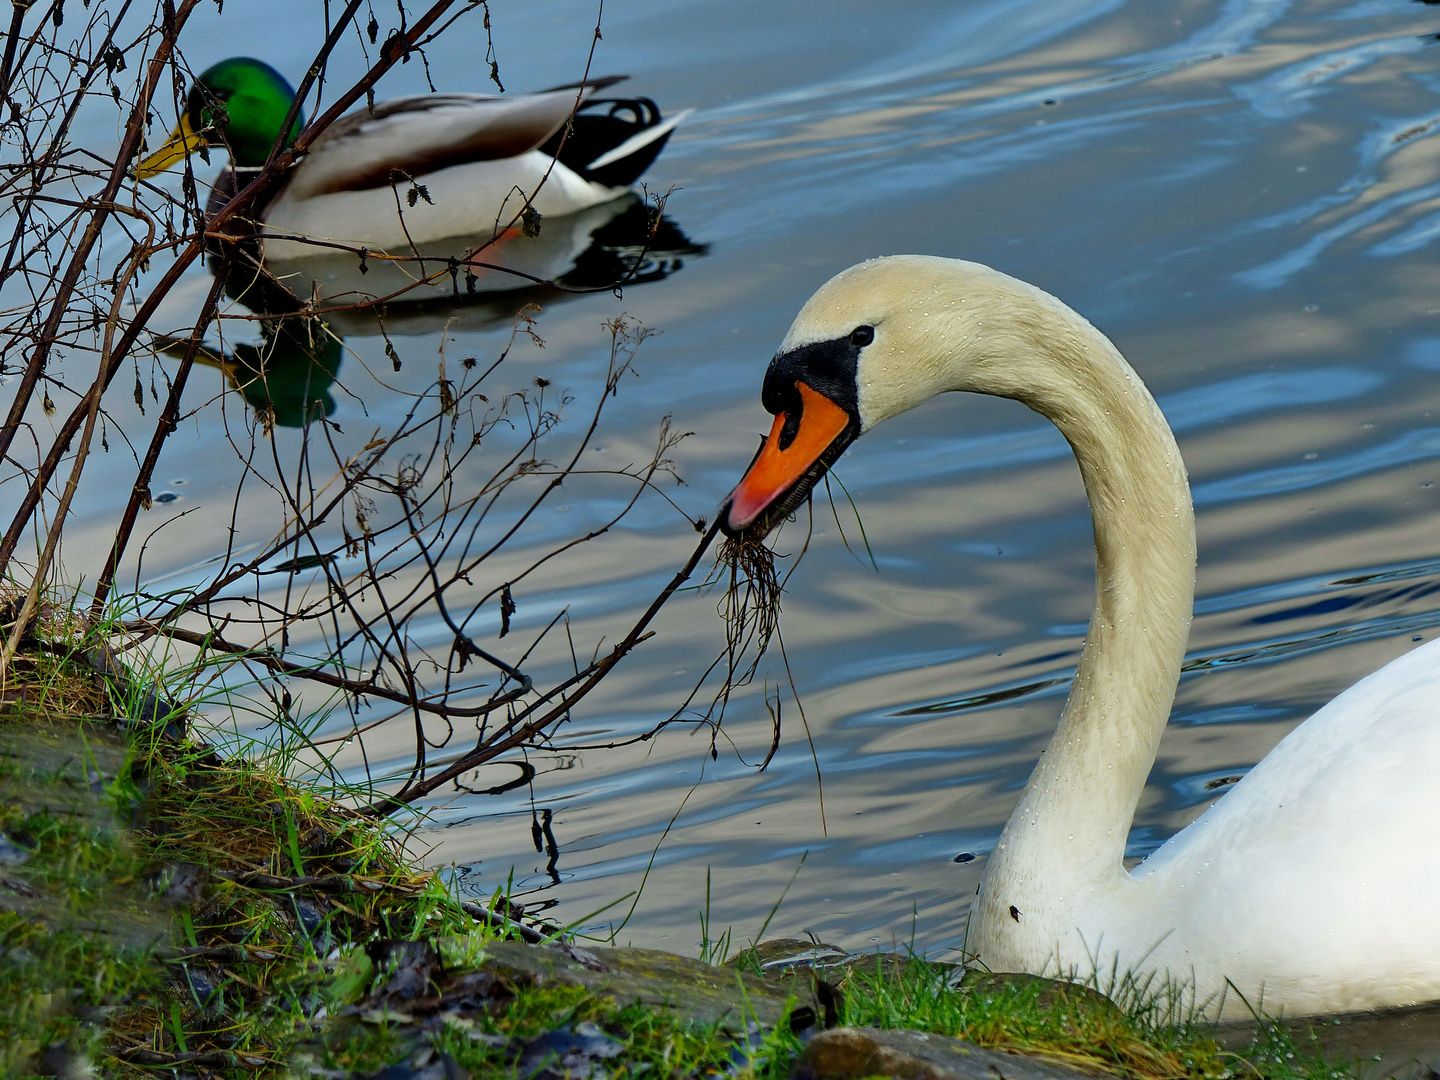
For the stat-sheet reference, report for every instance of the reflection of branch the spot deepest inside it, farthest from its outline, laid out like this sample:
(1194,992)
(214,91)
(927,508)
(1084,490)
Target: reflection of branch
(169,417)
(587,680)
(527,774)
(241,201)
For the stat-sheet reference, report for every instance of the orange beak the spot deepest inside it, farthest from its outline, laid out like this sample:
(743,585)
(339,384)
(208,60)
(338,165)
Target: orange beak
(781,476)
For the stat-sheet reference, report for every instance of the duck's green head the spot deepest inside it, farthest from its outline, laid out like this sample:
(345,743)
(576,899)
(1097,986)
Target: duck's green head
(239,104)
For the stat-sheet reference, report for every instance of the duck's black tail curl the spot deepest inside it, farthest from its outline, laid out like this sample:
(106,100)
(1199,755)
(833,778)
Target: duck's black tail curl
(612,140)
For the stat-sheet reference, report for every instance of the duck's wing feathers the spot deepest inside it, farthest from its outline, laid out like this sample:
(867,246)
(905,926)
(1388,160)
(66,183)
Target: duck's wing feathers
(408,137)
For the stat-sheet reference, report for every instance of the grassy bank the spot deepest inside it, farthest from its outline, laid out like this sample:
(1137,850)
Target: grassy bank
(166,910)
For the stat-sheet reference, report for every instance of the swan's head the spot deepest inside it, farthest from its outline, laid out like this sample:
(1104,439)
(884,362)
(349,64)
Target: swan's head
(875,341)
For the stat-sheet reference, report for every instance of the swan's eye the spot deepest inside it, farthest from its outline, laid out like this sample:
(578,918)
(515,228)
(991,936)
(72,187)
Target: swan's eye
(862,336)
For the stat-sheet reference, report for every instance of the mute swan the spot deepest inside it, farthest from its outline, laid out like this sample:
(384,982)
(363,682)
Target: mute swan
(1313,885)
(477,157)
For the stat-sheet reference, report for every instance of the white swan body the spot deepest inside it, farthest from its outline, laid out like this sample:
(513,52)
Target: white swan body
(1313,885)
(1314,879)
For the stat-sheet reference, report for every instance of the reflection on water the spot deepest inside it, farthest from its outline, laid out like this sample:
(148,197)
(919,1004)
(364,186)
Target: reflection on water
(608,247)
(1241,193)
(468,282)
(287,377)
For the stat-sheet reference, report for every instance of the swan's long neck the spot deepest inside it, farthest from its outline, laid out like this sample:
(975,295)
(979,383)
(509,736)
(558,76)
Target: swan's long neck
(942,324)
(1075,813)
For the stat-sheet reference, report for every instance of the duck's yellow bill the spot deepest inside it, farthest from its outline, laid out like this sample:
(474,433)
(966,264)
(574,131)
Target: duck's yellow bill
(182,143)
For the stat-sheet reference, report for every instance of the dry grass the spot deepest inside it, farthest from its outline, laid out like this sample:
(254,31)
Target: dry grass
(174,909)
(751,605)
(44,676)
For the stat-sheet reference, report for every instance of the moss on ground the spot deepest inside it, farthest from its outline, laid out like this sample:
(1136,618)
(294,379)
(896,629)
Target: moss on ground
(166,911)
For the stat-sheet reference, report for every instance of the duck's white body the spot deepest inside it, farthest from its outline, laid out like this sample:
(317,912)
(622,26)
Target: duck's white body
(1313,885)
(463,199)
(476,157)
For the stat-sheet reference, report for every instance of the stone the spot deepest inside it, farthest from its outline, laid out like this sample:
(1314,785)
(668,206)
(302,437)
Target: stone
(781,954)
(1403,1044)
(853,1053)
(410,964)
(1048,993)
(11,853)
(564,1053)
(701,991)
(799,961)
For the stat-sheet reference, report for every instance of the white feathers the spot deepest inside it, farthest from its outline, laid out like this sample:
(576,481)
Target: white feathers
(419,169)
(640,139)
(1310,887)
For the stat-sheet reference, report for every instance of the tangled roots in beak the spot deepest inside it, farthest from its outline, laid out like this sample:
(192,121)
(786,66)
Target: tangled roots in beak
(751,606)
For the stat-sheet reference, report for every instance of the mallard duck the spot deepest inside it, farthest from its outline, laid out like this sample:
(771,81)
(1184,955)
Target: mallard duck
(417,169)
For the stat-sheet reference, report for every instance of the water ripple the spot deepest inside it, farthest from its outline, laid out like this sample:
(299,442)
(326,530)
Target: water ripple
(1277,272)
(1289,92)
(1265,650)
(1195,408)
(1421,444)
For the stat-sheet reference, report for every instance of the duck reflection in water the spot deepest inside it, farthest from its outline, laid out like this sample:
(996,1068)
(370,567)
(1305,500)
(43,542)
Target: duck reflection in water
(308,307)
(287,377)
